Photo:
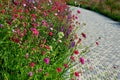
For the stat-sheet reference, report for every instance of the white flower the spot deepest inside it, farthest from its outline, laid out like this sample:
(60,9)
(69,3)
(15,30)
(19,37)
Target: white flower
(51,28)
(24,5)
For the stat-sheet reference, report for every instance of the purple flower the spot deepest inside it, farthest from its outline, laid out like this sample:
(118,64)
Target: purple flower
(62,29)
(1,25)
(68,32)
(72,44)
(46,60)
(30,74)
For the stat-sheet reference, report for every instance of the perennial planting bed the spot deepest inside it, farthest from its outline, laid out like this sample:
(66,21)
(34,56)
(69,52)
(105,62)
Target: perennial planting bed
(38,40)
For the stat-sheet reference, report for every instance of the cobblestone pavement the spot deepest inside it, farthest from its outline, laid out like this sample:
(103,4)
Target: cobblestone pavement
(104,60)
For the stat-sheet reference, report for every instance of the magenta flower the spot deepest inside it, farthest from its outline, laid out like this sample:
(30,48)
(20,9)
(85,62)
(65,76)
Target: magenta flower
(46,60)
(82,60)
(35,31)
(32,64)
(78,11)
(45,14)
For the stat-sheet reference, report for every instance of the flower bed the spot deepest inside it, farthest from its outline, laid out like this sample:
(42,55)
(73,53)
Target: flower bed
(38,40)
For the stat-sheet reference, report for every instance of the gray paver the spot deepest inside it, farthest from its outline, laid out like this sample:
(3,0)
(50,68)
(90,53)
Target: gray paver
(105,58)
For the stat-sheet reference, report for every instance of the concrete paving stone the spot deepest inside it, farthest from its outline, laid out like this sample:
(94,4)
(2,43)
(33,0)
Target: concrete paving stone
(107,54)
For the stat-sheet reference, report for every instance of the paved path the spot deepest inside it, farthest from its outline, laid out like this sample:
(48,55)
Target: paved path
(105,58)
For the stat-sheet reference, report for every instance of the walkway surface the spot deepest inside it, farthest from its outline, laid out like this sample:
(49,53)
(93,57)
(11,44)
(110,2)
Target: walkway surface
(103,62)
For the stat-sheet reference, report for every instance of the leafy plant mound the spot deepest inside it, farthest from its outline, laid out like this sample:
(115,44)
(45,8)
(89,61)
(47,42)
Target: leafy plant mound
(37,40)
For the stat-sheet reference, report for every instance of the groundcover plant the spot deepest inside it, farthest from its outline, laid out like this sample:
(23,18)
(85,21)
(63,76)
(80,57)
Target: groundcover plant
(38,40)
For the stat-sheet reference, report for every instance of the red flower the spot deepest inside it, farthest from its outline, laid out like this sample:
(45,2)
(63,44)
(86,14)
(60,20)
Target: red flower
(72,58)
(50,33)
(59,69)
(3,11)
(76,74)
(15,40)
(15,3)
(9,22)
(76,52)
(83,34)
(20,10)
(33,15)
(47,47)
(16,15)
(66,65)
(97,43)
(43,52)
(32,64)
(26,10)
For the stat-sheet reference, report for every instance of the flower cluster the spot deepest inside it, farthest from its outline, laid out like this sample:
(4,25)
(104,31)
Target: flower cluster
(38,40)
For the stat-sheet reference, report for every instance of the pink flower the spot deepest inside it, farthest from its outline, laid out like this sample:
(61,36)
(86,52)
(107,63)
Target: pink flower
(21,17)
(82,60)
(59,69)
(45,14)
(30,74)
(46,60)
(49,1)
(35,31)
(76,52)
(78,11)
(44,23)
(32,64)
(26,56)
(76,74)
